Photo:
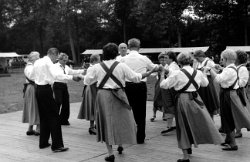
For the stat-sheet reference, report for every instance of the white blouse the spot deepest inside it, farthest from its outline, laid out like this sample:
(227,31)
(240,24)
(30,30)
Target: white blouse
(28,72)
(243,75)
(178,80)
(96,73)
(227,77)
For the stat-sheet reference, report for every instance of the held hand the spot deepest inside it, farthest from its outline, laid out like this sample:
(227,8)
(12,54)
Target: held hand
(76,78)
(218,67)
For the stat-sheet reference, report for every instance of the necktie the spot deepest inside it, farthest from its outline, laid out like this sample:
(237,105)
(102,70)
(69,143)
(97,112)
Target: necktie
(63,69)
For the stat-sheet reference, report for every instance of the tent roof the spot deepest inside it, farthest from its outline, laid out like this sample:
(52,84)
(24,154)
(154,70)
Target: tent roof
(235,48)
(152,50)
(9,54)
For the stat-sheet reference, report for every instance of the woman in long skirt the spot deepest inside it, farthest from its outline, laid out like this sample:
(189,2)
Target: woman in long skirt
(87,109)
(234,115)
(193,122)
(30,110)
(208,94)
(114,119)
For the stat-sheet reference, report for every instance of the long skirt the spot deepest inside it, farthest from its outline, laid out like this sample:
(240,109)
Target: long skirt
(115,123)
(30,110)
(194,124)
(87,109)
(233,113)
(158,103)
(210,97)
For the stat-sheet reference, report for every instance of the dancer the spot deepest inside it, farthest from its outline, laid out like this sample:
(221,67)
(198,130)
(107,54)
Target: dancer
(114,119)
(193,122)
(87,109)
(30,110)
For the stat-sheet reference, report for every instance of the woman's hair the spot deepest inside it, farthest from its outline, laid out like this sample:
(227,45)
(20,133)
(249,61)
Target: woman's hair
(94,58)
(171,55)
(110,51)
(33,56)
(229,54)
(184,58)
(241,56)
(161,55)
(61,56)
(199,53)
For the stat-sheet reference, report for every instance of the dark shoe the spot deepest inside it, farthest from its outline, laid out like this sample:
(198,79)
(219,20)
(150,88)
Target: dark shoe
(183,160)
(120,149)
(29,133)
(92,131)
(189,151)
(224,144)
(37,133)
(230,148)
(239,135)
(110,158)
(61,149)
(152,119)
(44,146)
(65,123)
(168,130)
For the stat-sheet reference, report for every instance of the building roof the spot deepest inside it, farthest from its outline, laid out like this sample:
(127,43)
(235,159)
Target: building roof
(152,50)
(9,54)
(235,48)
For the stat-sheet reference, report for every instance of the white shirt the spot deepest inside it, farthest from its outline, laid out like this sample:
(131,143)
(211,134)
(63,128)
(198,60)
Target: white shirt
(138,63)
(28,72)
(172,67)
(119,57)
(96,73)
(243,75)
(227,77)
(60,70)
(45,73)
(209,64)
(178,80)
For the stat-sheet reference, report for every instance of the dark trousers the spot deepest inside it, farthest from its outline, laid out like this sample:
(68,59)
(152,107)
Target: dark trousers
(137,97)
(49,118)
(62,100)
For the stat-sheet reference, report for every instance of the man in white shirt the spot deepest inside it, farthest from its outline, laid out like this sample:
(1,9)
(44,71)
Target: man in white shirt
(137,92)
(122,51)
(60,88)
(44,76)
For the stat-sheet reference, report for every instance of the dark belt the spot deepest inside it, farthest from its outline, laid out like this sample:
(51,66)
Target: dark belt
(135,83)
(59,83)
(43,86)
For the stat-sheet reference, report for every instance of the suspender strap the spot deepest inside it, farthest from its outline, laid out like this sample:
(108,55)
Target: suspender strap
(232,86)
(191,80)
(109,75)
(206,63)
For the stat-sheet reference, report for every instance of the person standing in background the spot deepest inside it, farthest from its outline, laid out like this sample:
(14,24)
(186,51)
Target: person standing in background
(30,110)
(123,48)
(137,92)
(60,87)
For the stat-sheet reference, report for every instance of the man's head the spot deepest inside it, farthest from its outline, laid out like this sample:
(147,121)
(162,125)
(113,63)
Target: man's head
(53,54)
(123,49)
(134,44)
(63,58)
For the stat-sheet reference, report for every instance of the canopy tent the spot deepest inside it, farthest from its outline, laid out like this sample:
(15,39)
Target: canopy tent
(153,50)
(243,48)
(9,54)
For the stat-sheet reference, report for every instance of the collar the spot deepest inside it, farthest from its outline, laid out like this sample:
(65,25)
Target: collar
(231,65)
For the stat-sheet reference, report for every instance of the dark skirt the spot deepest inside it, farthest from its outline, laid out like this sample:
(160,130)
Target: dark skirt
(87,109)
(115,123)
(210,97)
(168,98)
(158,103)
(233,113)
(194,124)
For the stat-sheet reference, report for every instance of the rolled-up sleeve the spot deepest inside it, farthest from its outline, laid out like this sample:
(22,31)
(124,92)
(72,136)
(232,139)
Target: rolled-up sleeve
(55,72)
(224,76)
(150,64)
(243,76)
(170,81)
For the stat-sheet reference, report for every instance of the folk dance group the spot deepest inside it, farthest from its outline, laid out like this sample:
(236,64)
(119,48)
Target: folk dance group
(115,93)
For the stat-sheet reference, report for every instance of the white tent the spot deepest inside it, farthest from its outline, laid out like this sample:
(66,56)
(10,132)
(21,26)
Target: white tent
(243,48)
(9,54)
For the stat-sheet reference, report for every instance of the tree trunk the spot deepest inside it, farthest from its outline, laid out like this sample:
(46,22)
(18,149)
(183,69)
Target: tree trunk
(124,31)
(179,37)
(71,41)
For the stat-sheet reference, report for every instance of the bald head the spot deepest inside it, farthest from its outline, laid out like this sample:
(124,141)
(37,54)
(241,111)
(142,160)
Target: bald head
(123,49)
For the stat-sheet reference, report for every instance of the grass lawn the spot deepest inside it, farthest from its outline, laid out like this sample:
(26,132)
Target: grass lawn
(11,91)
